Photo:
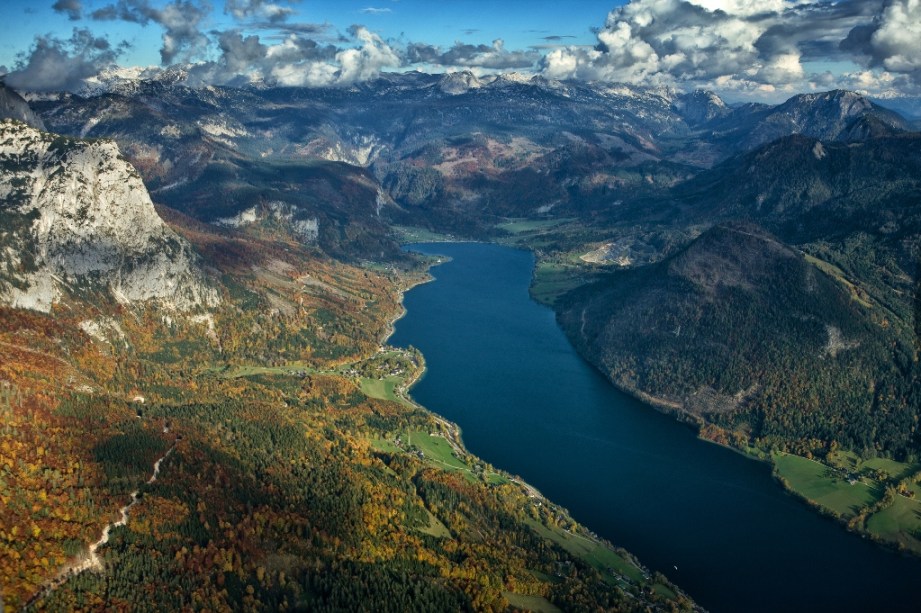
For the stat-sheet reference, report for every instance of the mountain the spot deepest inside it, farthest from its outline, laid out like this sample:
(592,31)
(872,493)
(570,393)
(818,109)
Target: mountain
(252,451)
(14,106)
(77,215)
(803,187)
(791,353)
(459,82)
(833,115)
(453,152)
(844,213)
(907,106)
(701,107)
(855,205)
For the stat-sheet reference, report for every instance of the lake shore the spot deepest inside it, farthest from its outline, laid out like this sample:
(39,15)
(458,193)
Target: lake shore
(625,560)
(499,364)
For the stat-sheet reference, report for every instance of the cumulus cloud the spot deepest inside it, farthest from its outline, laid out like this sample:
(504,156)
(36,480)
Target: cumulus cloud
(244,10)
(892,41)
(300,28)
(368,59)
(279,63)
(375,11)
(54,64)
(748,45)
(72,8)
(461,55)
(182,39)
(296,61)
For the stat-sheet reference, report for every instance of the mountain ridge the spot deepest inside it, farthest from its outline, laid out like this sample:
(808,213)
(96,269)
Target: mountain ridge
(782,337)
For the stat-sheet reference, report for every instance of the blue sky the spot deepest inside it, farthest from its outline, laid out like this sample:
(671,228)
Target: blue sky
(521,24)
(743,49)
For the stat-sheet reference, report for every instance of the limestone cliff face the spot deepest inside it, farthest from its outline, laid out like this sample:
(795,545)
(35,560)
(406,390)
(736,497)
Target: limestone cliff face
(12,106)
(76,216)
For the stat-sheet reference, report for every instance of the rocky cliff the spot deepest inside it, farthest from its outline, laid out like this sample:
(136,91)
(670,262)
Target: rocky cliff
(77,218)
(13,106)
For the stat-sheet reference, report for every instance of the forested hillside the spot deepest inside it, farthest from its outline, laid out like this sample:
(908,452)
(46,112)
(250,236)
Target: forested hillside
(752,336)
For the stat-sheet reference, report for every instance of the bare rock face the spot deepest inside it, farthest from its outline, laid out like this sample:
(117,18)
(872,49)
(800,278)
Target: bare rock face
(13,106)
(75,216)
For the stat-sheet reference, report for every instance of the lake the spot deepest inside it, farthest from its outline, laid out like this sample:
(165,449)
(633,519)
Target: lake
(501,368)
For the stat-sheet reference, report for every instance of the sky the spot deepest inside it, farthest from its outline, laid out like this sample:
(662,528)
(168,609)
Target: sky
(742,49)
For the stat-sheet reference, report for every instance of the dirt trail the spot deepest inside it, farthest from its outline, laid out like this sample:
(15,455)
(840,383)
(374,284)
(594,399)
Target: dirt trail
(91,560)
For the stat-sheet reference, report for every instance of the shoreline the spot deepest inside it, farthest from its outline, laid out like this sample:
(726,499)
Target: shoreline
(672,409)
(453,434)
(676,411)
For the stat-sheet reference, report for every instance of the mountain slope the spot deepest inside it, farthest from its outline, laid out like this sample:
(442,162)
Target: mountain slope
(13,106)
(790,356)
(805,187)
(276,420)
(76,217)
(833,115)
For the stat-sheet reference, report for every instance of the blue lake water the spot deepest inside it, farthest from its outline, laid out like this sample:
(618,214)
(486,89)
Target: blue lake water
(500,367)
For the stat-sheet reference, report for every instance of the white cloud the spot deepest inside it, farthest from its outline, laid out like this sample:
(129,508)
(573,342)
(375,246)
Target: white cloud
(182,37)
(54,64)
(366,61)
(749,45)
(72,8)
(897,42)
(244,10)
(461,55)
(296,61)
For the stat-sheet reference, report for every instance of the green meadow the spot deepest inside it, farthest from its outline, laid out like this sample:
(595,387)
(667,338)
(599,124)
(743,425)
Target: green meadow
(825,486)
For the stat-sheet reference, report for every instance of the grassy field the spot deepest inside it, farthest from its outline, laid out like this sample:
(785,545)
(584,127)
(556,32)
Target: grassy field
(898,523)
(538,604)
(916,488)
(895,470)
(525,226)
(439,452)
(838,275)
(382,389)
(384,445)
(435,527)
(436,449)
(850,461)
(600,557)
(552,280)
(496,479)
(407,234)
(824,486)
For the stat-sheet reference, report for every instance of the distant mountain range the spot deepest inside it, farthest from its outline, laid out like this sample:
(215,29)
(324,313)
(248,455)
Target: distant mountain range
(448,151)
(14,106)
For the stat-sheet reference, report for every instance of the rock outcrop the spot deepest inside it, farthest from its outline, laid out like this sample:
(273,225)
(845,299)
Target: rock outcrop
(13,106)
(77,218)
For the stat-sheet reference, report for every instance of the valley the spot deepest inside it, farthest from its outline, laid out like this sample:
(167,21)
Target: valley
(221,264)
